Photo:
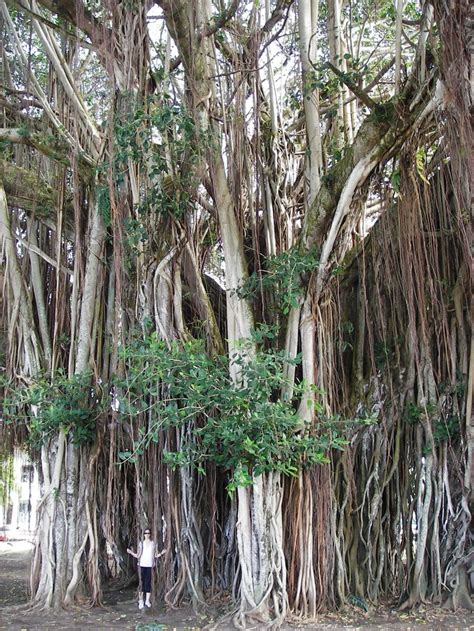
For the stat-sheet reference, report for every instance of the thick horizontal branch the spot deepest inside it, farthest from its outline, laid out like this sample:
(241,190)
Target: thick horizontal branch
(25,189)
(50,24)
(14,134)
(48,145)
(18,100)
(76,13)
(21,135)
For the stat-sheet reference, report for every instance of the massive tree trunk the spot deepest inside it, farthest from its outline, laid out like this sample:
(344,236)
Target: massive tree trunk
(67,513)
(259,535)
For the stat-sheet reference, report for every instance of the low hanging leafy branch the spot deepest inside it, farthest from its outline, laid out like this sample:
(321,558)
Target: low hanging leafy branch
(47,405)
(243,428)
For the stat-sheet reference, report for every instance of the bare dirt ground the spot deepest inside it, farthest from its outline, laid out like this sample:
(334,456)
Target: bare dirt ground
(121,613)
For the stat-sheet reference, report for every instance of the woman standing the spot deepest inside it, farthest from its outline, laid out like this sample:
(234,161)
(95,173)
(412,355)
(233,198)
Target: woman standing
(146,555)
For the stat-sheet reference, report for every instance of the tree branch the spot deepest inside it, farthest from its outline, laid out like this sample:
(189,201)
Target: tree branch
(14,134)
(354,88)
(36,250)
(26,190)
(211,28)
(278,14)
(50,23)
(24,136)
(74,12)
(222,21)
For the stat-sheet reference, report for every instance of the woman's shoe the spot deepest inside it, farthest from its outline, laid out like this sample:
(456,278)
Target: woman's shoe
(140,604)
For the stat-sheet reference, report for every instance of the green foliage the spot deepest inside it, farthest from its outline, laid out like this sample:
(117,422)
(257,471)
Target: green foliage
(414,413)
(293,98)
(245,427)
(5,149)
(23,131)
(103,203)
(385,352)
(446,428)
(161,137)
(457,389)
(6,476)
(395,180)
(48,405)
(283,277)
(132,5)
(383,113)
(345,342)
(359,602)
(420,159)
(323,78)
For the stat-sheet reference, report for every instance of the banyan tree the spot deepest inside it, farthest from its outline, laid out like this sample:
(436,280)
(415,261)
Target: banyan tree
(236,271)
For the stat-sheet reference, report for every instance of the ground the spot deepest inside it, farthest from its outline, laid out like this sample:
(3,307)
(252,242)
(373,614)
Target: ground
(121,613)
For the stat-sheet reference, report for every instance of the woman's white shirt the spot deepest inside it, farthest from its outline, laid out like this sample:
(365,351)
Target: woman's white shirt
(147,554)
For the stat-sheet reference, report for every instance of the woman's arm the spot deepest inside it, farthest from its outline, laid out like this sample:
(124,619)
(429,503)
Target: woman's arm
(138,553)
(134,554)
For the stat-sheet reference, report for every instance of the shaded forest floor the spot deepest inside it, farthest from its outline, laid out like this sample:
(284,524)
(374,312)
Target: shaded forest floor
(120,611)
